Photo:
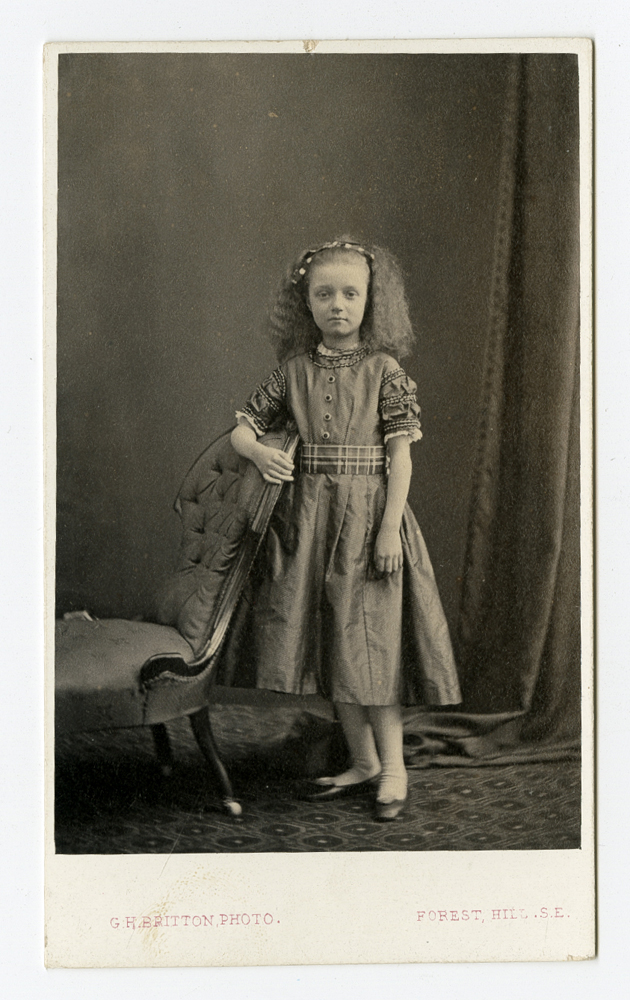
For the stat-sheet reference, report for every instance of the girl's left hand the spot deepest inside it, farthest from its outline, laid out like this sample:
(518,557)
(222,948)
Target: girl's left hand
(388,556)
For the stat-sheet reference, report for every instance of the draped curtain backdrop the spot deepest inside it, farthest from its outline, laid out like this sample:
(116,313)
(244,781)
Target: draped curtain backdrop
(519,624)
(187,181)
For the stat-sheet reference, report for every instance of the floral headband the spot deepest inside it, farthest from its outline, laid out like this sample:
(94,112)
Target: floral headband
(308,255)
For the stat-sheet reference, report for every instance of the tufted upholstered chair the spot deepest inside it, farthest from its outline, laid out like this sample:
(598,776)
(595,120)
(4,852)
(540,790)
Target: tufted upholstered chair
(99,680)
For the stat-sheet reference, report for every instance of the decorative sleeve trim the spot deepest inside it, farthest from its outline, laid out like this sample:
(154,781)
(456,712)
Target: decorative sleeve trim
(255,422)
(273,404)
(414,434)
(402,424)
(400,397)
(390,376)
(266,402)
(280,378)
(397,422)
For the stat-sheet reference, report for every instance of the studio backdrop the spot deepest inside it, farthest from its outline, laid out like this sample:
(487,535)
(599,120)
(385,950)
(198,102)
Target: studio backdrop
(186,183)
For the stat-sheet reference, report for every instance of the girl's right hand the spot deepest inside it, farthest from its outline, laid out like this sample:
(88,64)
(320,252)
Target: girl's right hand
(273,464)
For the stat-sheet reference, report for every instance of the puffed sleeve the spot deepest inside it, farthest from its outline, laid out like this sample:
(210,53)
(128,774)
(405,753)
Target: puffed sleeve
(266,404)
(400,412)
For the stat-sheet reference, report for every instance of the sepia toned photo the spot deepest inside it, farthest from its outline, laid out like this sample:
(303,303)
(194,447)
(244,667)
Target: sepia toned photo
(319,501)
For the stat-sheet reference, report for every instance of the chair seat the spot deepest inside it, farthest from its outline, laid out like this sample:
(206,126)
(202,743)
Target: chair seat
(97,669)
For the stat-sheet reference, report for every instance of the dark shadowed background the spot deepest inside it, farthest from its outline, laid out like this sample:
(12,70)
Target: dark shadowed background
(186,183)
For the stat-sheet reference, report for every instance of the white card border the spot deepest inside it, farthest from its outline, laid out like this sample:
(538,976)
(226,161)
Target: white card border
(313,937)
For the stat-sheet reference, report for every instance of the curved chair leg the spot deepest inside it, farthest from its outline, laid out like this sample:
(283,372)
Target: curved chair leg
(200,722)
(163,749)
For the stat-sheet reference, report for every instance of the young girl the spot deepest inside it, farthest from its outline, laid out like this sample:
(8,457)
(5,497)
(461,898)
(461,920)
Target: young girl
(348,606)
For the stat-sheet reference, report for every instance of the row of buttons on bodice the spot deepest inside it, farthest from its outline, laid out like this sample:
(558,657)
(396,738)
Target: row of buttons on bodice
(328,416)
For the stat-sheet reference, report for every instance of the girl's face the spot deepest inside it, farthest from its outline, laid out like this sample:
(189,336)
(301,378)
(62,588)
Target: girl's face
(337,297)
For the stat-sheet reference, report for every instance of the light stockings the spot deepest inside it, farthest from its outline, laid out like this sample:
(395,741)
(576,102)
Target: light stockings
(387,725)
(360,739)
(367,728)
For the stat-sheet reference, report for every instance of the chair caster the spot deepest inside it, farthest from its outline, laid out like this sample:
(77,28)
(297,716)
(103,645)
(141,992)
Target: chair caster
(232,807)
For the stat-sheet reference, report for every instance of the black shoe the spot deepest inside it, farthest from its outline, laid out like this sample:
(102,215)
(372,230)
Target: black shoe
(325,793)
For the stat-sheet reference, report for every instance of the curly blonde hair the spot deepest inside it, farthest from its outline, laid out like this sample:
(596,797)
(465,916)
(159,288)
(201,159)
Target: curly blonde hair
(386,324)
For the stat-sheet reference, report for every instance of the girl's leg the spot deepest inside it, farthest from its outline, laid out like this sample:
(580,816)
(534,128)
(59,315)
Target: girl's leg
(387,724)
(360,739)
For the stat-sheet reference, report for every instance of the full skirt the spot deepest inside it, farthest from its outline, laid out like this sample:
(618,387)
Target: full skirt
(326,622)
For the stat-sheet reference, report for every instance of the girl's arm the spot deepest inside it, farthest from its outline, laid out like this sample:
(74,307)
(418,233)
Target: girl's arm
(272,463)
(388,556)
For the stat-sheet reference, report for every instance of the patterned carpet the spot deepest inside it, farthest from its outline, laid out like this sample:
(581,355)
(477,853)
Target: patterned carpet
(112,799)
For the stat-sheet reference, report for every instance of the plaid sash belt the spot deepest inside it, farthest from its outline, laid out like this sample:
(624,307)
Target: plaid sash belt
(342,459)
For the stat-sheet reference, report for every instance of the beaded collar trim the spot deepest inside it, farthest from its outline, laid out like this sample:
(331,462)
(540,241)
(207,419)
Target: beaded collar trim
(338,360)
(334,352)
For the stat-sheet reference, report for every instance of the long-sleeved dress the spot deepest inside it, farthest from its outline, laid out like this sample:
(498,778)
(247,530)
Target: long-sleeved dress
(326,621)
